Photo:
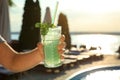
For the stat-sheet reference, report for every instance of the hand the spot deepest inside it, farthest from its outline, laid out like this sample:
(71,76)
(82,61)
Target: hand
(61,46)
(40,48)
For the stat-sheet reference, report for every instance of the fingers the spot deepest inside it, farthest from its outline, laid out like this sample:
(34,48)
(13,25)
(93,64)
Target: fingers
(62,39)
(61,46)
(61,52)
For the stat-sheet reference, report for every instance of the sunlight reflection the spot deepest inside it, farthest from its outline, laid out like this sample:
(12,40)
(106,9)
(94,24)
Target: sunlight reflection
(104,75)
(108,43)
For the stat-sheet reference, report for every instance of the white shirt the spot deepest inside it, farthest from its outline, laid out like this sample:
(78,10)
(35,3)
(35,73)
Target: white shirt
(1,39)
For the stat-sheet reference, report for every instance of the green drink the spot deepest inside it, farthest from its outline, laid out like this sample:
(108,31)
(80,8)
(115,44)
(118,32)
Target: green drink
(50,42)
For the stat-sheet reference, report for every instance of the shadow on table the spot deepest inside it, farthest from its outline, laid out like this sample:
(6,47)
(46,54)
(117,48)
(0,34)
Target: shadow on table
(35,74)
(4,73)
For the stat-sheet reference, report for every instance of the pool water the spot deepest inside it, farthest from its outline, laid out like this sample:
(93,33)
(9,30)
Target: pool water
(103,75)
(98,73)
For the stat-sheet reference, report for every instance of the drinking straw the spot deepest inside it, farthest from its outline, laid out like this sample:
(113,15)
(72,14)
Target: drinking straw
(54,16)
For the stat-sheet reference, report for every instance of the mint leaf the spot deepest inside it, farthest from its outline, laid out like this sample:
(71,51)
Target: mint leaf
(37,25)
(44,27)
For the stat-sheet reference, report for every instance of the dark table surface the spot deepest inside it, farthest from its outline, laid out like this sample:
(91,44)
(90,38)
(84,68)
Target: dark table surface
(39,73)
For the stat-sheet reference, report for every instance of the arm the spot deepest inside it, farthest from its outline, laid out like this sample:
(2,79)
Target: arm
(15,62)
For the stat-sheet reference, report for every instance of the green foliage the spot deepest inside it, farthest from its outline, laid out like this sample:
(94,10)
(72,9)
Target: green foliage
(44,27)
(11,3)
(29,35)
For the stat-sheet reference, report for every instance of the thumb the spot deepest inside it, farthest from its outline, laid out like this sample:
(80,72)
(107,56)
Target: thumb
(40,49)
(40,45)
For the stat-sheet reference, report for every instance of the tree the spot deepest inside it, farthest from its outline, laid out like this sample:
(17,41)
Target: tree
(30,35)
(10,2)
(62,21)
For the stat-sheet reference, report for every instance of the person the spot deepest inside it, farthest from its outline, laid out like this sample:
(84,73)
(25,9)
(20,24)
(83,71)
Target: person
(21,61)
(4,20)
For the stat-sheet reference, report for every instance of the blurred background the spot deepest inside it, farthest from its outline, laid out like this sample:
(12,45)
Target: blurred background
(91,22)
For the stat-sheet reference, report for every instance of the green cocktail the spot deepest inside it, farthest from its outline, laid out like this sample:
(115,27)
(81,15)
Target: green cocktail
(50,42)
